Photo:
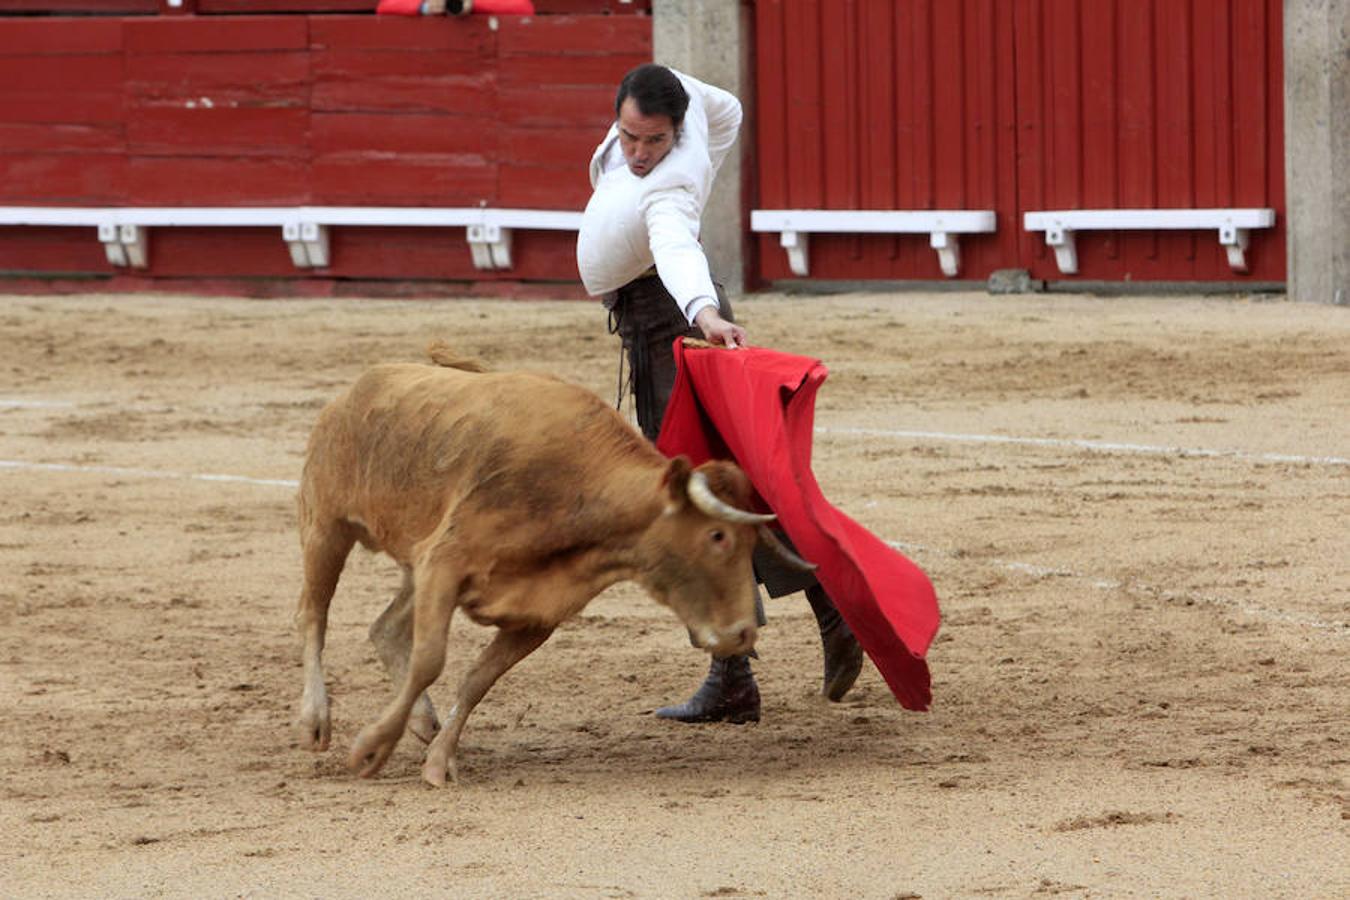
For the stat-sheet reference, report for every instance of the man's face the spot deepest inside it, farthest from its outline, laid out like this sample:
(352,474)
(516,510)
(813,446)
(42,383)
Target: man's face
(645,140)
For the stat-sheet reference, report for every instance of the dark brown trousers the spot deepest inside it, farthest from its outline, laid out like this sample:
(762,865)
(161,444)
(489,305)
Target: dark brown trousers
(648,320)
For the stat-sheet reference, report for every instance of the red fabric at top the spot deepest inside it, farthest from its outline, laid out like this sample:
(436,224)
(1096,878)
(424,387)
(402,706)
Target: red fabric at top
(757,407)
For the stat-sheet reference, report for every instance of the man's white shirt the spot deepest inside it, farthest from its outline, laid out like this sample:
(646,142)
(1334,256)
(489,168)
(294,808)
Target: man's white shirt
(632,223)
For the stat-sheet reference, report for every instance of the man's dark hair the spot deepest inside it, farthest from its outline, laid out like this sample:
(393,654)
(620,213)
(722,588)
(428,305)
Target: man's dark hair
(657,91)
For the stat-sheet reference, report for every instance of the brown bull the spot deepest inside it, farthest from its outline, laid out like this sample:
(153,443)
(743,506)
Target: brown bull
(517,498)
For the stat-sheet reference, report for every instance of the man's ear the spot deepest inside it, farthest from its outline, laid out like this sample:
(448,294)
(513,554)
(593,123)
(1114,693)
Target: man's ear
(676,482)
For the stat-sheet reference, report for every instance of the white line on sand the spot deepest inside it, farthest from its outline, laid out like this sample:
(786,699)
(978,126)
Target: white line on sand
(1340,629)
(1097,446)
(14,465)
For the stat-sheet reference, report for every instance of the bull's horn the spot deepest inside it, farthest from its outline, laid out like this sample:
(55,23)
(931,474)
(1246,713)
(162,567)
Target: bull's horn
(701,495)
(768,537)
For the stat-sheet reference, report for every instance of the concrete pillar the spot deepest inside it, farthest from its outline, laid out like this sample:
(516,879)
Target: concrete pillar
(710,40)
(1317,148)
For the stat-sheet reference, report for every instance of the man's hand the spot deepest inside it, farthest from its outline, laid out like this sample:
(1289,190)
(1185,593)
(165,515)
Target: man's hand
(717,330)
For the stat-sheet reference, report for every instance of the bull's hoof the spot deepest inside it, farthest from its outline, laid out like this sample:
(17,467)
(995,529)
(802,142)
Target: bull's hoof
(370,752)
(314,726)
(436,772)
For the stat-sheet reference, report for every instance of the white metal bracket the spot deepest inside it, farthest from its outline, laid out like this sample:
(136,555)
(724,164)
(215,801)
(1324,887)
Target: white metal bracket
(308,243)
(1234,241)
(795,243)
(124,245)
(490,245)
(1066,251)
(948,249)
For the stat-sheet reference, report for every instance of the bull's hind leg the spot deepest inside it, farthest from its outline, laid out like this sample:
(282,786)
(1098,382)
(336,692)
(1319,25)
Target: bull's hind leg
(505,650)
(435,589)
(392,635)
(325,548)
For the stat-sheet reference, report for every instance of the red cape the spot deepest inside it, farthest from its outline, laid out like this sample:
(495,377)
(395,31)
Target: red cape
(757,407)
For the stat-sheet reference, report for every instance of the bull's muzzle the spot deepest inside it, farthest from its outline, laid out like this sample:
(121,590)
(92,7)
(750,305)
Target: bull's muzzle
(737,640)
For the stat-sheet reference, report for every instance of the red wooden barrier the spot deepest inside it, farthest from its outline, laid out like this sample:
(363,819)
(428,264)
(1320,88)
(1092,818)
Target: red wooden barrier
(306,110)
(1018,105)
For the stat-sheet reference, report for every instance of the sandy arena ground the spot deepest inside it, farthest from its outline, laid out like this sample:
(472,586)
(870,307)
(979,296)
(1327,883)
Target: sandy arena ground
(1135,512)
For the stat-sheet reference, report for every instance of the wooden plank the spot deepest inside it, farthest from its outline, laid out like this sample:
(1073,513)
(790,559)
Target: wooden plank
(416,81)
(949,112)
(770,110)
(229,35)
(591,7)
(76,73)
(253,7)
(467,34)
(1138,117)
(534,71)
(1176,122)
(806,189)
(876,24)
(1251,117)
(272,78)
(46,137)
(216,181)
(839,120)
(575,35)
(72,179)
(588,106)
(101,7)
(450,96)
(218,252)
(568,149)
(1066,101)
(63,107)
(1206,127)
(364,180)
(409,252)
(1100,107)
(346,63)
(542,187)
(402,134)
(219,131)
(60,36)
(51,250)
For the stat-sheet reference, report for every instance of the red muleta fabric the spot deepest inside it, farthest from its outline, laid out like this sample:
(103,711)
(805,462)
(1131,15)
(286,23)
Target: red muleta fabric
(757,407)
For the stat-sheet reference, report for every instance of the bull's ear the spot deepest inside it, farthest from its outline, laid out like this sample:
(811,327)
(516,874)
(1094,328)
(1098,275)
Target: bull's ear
(676,483)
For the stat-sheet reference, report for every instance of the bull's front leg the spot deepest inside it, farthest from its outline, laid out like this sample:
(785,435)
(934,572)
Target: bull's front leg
(325,549)
(505,650)
(435,591)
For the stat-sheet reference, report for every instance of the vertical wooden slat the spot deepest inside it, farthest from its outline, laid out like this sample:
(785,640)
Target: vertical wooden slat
(771,109)
(950,113)
(877,87)
(1251,114)
(805,140)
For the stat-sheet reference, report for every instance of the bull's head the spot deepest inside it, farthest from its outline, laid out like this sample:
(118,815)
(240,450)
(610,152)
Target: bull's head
(698,554)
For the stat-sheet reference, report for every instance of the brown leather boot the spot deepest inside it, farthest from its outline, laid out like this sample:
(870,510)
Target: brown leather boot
(728,694)
(843,656)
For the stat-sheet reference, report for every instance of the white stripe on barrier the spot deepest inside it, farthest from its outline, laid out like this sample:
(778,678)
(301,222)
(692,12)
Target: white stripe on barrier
(1099,446)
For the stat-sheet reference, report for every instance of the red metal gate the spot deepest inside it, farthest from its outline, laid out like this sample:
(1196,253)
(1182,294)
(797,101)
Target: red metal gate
(1017,106)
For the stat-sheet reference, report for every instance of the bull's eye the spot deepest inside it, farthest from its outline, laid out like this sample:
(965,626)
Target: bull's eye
(717,536)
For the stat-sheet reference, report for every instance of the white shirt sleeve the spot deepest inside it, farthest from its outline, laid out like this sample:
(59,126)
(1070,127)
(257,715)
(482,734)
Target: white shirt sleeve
(672,218)
(724,121)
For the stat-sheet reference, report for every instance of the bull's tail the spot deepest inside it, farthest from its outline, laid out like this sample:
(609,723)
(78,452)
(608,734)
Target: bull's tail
(442,355)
